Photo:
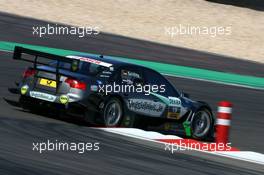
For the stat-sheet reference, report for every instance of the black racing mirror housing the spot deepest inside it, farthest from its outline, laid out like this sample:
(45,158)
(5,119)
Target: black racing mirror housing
(183,94)
(138,81)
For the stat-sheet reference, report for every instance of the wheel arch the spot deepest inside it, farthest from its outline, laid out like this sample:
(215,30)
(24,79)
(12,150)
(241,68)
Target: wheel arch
(119,97)
(204,105)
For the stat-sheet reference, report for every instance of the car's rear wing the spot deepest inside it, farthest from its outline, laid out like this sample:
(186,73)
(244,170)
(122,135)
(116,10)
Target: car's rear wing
(39,58)
(20,51)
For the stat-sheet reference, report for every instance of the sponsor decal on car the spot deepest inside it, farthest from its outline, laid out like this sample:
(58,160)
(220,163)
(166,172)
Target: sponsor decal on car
(106,72)
(94,88)
(174,101)
(174,109)
(111,68)
(64,99)
(90,60)
(146,107)
(129,76)
(42,96)
(24,89)
(174,112)
(104,76)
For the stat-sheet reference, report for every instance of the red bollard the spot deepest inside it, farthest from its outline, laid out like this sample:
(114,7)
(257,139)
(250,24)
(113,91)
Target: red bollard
(223,122)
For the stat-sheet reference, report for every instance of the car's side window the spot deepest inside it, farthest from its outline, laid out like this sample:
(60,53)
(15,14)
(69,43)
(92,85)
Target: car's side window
(154,78)
(129,76)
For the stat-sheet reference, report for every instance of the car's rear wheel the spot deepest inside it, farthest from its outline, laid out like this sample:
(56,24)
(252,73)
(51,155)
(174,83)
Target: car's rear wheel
(201,124)
(113,113)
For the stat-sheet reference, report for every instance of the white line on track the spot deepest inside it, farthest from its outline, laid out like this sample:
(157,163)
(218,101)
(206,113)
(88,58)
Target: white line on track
(6,51)
(216,82)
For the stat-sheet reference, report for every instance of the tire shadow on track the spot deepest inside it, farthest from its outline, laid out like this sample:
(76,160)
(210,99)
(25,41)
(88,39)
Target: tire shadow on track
(79,120)
(49,114)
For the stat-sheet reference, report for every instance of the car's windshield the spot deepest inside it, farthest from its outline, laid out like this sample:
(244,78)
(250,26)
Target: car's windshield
(84,67)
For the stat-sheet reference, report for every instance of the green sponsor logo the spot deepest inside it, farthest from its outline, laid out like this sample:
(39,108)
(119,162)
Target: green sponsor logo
(64,99)
(24,90)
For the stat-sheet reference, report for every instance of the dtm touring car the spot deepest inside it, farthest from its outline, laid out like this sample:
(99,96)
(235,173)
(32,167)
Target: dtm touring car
(75,85)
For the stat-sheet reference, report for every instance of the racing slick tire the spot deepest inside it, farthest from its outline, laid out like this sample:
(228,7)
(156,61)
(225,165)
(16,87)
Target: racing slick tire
(202,124)
(113,112)
(116,114)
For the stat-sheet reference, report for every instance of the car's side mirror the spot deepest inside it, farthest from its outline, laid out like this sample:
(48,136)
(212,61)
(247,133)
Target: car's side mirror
(138,81)
(185,95)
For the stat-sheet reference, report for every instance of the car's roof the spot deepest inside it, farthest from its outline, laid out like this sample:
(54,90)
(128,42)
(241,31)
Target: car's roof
(107,59)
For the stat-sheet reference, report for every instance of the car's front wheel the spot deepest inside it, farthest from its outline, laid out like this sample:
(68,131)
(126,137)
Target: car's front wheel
(113,113)
(202,124)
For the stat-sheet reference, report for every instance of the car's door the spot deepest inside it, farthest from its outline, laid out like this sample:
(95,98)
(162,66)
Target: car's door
(167,94)
(135,94)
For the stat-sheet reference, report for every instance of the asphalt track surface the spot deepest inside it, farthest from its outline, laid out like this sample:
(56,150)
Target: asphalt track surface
(119,155)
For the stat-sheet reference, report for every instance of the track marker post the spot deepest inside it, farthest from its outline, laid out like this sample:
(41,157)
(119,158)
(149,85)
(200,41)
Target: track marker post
(223,122)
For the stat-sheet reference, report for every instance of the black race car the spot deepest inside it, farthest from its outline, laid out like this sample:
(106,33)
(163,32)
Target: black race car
(110,92)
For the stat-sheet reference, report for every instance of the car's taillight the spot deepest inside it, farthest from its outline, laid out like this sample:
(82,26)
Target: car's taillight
(29,73)
(75,83)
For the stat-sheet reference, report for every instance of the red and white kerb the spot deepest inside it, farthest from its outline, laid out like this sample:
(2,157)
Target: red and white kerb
(223,122)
